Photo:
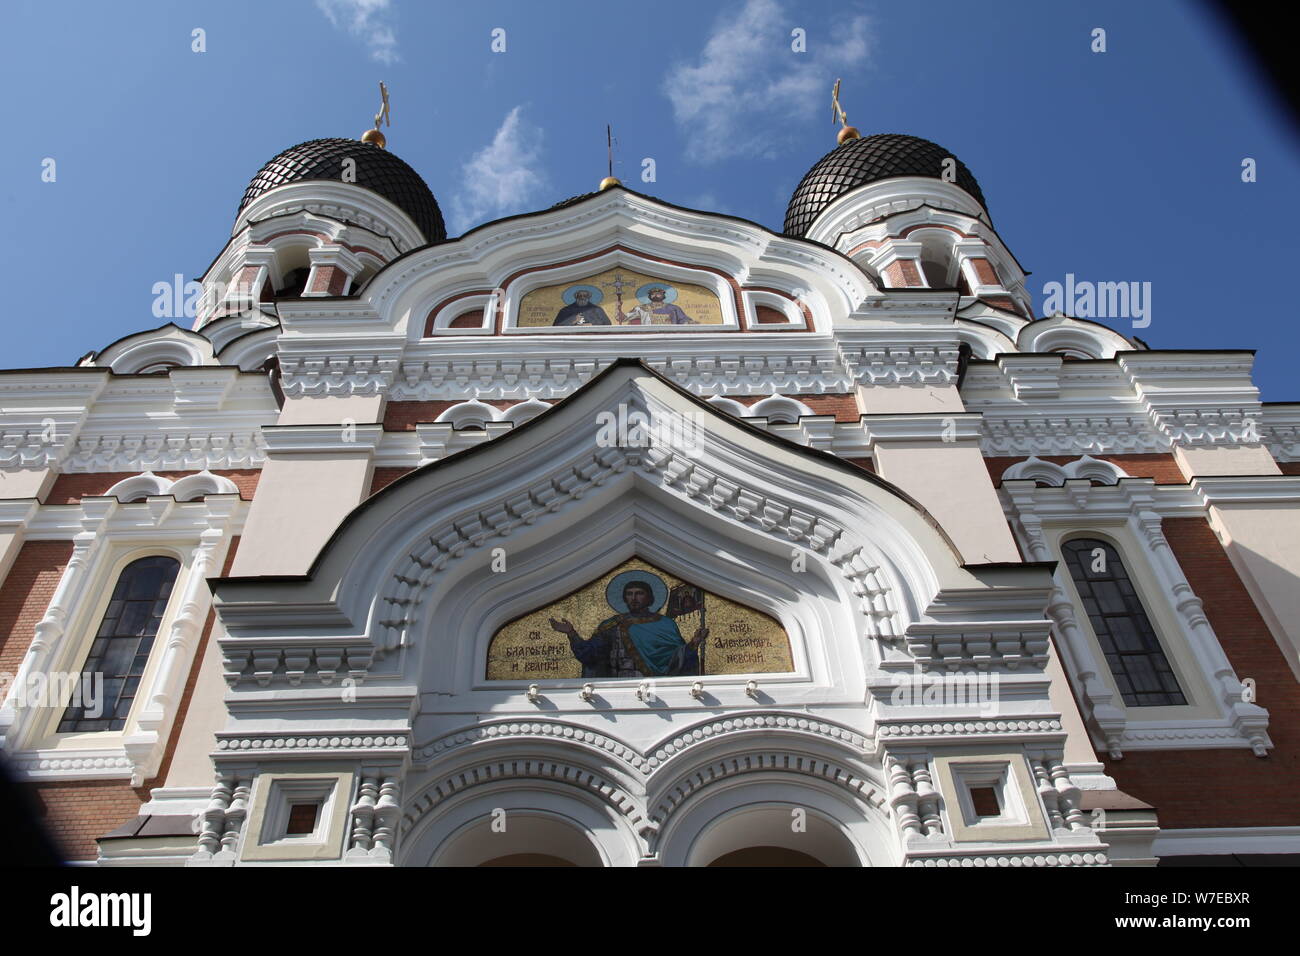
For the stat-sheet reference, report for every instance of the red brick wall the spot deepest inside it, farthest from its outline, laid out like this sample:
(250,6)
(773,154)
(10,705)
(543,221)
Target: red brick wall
(1225,788)
(984,270)
(26,594)
(70,489)
(903,273)
(329,280)
(473,319)
(1162,467)
(386,476)
(76,812)
(1006,303)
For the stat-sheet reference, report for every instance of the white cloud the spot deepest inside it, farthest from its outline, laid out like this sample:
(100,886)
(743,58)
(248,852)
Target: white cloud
(503,176)
(748,84)
(369,21)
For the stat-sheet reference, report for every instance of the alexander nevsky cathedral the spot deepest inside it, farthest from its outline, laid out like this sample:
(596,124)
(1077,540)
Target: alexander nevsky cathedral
(623,534)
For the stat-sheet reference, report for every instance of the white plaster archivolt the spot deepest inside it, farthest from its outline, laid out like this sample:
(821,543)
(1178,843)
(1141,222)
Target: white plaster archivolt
(188,488)
(1049,473)
(1080,337)
(524,411)
(780,409)
(470,414)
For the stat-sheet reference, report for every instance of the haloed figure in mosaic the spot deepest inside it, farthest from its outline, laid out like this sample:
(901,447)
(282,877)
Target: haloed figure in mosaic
(638,641)
(657,308)
(581,310)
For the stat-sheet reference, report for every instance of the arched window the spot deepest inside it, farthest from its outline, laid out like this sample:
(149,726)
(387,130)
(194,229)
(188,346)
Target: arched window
(1137,662)
(121,647)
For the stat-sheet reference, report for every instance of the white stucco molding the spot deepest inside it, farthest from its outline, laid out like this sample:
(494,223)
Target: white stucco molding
(42,414)
(167,344)
(646,787)
(1086,468)
(404,291)
(1219,841)
(1248,489)
(925,427)
(881,359)
(1032,377)
(1198,399)
(647,762)
(730,477)
(358,365)
(1067,432)
(495,368)
(172,450)
(913,199)
(331,200)
(322,439)
(1280,430)
(1092,339)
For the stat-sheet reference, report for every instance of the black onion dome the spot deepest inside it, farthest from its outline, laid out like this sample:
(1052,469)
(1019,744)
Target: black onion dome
(377,169)
(868,160)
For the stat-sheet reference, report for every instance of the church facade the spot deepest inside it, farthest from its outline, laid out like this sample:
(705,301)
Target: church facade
(624,534)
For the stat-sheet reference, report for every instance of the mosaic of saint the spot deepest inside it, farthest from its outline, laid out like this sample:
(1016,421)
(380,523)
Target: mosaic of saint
(619,297)
(660,626)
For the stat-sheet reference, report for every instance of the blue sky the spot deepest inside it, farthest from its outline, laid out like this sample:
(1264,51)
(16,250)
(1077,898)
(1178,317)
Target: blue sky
(1115,166)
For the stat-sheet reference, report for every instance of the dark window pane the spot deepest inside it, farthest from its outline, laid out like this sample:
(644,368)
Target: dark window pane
(121,648)
(985,801)
(1141,670)
(302,819)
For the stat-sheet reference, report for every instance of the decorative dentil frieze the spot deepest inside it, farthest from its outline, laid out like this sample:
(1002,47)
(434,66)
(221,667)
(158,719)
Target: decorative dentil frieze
(168,451)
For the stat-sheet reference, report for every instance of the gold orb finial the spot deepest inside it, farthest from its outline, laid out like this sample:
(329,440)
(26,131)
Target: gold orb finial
(609,181)
(846,132)
(382,118)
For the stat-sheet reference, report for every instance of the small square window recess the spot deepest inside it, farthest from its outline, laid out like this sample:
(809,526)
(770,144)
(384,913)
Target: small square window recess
(302,819)
(985,802)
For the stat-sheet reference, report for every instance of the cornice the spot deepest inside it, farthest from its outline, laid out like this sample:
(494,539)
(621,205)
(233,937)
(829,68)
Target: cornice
(928,427)
(1247,489)
(175,449)
(322,439)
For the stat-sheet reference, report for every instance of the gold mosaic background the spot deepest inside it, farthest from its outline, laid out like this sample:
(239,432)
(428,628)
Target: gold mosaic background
(741,640)
(540,307)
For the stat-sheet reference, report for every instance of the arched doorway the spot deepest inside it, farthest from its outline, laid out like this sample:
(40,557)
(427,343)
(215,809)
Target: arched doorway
(520,838)
(774,834)
(528,859)
(760,856)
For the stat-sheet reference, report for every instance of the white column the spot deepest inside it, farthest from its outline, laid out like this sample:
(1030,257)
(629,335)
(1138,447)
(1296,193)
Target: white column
(1249,719)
